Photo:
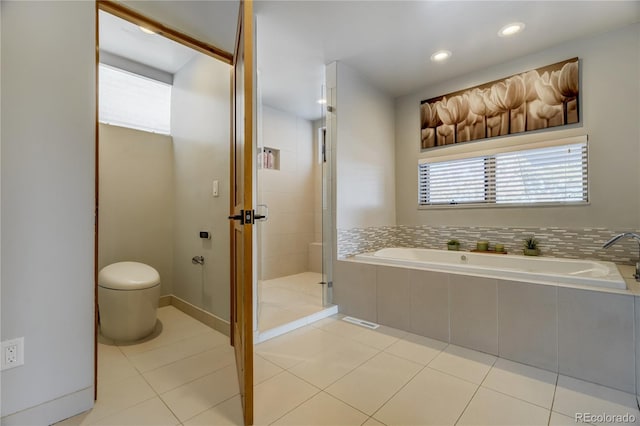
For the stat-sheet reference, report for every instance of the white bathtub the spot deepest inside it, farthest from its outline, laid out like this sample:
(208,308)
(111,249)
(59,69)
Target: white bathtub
(548,270)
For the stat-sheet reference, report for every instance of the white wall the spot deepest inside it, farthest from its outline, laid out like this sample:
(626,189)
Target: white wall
(365,166)
(48,178)
(289,193)
(0,197)
(200,127)
(610,95)
(136,200)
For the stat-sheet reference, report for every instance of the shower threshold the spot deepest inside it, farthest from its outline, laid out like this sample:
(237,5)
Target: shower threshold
(262,336)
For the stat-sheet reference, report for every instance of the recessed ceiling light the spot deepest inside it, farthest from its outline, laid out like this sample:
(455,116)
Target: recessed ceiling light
(511,29)
(146,30)
(440,56)
(322,101)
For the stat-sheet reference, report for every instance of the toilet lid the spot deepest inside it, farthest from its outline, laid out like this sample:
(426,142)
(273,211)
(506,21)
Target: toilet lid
(128,276)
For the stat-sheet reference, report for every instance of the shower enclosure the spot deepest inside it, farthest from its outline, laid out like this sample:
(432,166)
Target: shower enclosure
(294,241)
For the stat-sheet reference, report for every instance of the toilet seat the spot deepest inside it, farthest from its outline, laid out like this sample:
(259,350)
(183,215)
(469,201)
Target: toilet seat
(128,276)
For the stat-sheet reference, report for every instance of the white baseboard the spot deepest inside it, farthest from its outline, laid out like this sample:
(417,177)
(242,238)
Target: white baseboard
(164,300)
(52,411)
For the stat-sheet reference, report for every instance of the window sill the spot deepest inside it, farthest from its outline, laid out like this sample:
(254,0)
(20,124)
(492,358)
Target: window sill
(500,206)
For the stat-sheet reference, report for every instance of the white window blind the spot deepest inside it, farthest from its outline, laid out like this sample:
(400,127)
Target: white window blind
(453,182)
(133,101)
(552,174)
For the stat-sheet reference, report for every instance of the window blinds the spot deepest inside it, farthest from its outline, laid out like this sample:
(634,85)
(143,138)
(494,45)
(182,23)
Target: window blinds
(555,174)
(133,101)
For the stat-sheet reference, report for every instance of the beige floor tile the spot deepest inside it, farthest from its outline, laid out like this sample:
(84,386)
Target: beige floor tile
(155,358)
(172,332)
(286,299)
(77,420)
(227,413)
(521,381)
(149,413)
(430,398)
(113,365)
(417,348)
(464,363)
(263,369)
(343,328)
(372,422)
(380,338)
(277,396)
(391,387)
(326,321)
(201,394)
(322,409)
(305,282)
(374,382)
(173,325)
(188,369)
(285,296)
(558,419)
(332,364)
(575,396)
(297,346)
(173,318)
(272,316)
(493,408)
(117,396)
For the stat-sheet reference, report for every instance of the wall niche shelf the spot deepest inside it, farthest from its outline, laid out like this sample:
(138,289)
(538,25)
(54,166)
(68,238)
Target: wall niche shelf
(268,158)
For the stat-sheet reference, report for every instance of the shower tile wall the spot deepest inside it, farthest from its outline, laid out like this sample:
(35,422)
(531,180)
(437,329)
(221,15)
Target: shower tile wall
(585,243)
(289,192)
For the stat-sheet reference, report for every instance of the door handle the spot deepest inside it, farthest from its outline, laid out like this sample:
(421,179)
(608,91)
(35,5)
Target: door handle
(245,216)
(248,216)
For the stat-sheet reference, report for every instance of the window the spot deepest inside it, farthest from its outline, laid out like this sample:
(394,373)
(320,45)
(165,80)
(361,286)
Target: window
(550,174)
(130,100)
(453,182)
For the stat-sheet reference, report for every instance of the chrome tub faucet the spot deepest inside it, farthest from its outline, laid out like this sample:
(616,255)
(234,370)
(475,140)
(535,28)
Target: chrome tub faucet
(625,235)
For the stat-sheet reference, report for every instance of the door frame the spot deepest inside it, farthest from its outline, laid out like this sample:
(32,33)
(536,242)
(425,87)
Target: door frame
(117,9)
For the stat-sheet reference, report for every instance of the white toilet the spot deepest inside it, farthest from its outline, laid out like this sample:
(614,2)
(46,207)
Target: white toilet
(128,296)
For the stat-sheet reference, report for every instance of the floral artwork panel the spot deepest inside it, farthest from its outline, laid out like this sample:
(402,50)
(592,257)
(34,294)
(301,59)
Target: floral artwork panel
(533,100)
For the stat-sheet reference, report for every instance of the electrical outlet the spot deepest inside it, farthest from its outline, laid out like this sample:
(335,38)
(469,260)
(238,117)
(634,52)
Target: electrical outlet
(12,353)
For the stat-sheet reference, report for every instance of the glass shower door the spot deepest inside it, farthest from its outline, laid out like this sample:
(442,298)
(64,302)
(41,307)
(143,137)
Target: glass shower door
(328,228)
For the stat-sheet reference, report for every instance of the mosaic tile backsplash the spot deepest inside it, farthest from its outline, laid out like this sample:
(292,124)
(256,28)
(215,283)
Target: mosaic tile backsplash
(585,243)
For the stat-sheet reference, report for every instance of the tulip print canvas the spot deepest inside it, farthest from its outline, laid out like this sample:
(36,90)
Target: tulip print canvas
(533,100)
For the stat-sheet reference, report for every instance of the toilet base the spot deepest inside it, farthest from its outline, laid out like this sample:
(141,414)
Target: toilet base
(128,315)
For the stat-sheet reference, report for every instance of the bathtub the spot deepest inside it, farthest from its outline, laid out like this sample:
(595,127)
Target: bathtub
(546,270)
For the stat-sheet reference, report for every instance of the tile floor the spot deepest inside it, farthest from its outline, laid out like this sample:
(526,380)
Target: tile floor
(286,299)
(332,373)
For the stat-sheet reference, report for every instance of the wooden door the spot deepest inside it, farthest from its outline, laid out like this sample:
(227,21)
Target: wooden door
(242,219)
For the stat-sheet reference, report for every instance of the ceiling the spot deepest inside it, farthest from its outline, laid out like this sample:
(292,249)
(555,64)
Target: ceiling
(211,21)
(125,39)
(388,42)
